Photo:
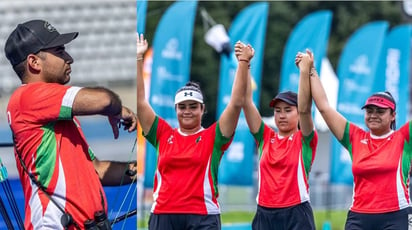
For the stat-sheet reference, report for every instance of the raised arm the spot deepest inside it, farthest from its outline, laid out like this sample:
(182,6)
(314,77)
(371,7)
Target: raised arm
(305,64)
(335,121)
(252,115)
(230,116)
(145,113)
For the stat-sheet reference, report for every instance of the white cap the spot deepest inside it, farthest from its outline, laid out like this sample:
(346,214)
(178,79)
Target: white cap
(187,94)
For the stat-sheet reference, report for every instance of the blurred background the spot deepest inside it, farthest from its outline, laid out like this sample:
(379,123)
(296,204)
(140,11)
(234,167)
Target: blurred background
(104,54)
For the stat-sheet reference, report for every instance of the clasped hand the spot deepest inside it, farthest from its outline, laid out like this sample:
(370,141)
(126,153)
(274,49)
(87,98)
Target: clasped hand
(126,118)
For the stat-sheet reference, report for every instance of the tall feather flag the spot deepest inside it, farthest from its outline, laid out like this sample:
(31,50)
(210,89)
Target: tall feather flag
(172,50)
(357,73)
(312,32)
(249,26)
(141,22)
(141,15)
(395,68)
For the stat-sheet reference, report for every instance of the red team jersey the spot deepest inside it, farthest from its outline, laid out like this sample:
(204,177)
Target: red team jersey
(187,166)
(380,167)
(54,149)
(284,166)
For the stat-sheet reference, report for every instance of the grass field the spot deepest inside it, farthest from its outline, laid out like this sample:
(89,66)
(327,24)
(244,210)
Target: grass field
(335,219)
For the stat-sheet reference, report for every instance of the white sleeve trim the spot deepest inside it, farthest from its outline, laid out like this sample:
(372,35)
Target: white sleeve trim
(71,93)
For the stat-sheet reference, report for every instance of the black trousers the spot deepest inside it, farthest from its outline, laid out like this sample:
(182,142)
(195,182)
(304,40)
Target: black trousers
(298,217)
(397,220)
(184,222)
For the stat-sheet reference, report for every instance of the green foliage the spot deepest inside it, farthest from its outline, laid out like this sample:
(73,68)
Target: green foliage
(348,16)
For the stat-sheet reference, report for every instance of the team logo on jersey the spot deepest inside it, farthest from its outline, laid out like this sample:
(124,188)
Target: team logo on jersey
(198,139)
(170,140)
(364,141)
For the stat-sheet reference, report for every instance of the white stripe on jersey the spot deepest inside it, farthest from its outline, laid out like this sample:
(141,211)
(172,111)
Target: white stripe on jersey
(403,203)
(51,217)
(211,207)
(156,193)
(304,195)
(69,96)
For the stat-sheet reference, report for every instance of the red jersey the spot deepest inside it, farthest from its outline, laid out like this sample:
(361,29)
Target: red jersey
(284,166)
(187,168)
(380,167)
(53,147)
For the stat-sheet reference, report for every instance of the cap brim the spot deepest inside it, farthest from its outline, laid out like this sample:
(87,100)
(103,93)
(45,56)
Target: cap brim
(274,101)
(189,99)
(376,104)
(62,39)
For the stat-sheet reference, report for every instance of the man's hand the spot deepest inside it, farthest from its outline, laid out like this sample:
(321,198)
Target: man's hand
(127,118)
(115,123)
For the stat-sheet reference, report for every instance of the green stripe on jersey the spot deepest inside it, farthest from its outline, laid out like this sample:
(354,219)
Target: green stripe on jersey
(220,140)
(46,155)
(91,154)
(345,140)
(307,152)
(259,138)
(407,157)
(65,113)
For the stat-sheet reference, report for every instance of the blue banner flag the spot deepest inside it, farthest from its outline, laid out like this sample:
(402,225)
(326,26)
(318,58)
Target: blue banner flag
(249,26)
(172,51)
(312,32)
(141,15)
(357,73)
(394,67)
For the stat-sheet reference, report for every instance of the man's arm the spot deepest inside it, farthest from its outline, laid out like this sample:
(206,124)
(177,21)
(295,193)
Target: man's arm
(99,100)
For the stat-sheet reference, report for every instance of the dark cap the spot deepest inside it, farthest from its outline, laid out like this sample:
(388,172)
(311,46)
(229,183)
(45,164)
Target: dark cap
(288,96)
(31,37)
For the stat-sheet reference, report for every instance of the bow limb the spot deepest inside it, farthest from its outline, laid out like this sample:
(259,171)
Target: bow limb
(127,172)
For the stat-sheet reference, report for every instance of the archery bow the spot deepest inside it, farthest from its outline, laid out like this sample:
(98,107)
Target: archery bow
(10,198)
(13,204)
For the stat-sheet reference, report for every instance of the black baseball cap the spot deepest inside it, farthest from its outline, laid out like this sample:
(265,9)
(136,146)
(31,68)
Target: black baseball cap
(32,36)
(288,96)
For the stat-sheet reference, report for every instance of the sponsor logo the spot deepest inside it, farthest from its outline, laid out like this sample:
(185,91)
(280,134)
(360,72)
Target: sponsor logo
(171,50)
(393,72)
(170,140)
(360,66)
